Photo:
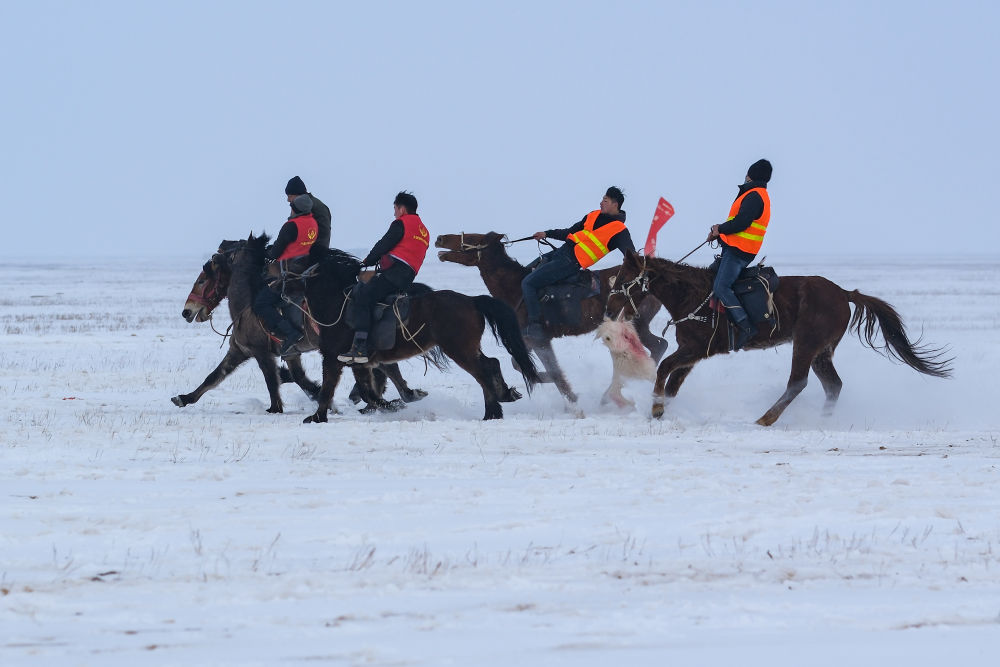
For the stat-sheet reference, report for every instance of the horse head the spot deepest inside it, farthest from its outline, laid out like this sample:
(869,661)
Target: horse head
(467,249)
(211,286)
(630,287)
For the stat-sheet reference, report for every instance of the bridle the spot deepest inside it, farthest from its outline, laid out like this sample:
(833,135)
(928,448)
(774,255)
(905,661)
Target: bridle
(641,281)
(211,293)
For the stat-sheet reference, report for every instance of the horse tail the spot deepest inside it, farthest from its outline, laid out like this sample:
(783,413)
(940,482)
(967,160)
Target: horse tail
(870,311)
(503,323)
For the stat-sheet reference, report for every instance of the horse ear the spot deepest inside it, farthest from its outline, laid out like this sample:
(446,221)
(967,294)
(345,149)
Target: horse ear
(250,238)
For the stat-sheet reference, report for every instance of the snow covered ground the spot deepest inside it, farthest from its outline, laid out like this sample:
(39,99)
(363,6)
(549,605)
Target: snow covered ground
(135,532)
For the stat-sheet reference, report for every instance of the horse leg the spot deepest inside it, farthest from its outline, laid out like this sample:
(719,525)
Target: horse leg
(408,395)
(503,392)
(270,370)
(298,376)
(370,387)
(331,376)
(676,368)
(551,364)
(822,366)
(797,380)
(229,363)
(647,311)
(475,364)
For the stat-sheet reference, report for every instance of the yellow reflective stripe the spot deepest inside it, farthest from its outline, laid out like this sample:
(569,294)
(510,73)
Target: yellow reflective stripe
(753,237)
(583,246)
(596,241)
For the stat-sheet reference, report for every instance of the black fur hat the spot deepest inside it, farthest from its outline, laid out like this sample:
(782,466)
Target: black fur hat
(760,171)
(295,186)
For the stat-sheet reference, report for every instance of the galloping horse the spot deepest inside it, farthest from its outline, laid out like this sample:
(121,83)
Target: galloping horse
(813,314)
(220,278)
(453,322)
(503,275)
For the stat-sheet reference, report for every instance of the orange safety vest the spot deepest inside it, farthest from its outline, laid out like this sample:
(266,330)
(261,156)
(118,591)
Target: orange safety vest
(750,239)
(307,230)
(413,247)
(592,244)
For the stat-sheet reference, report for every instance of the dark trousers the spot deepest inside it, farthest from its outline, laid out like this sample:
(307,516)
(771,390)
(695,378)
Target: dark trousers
(730,266)
(395,279)
(560,266)
(266,306)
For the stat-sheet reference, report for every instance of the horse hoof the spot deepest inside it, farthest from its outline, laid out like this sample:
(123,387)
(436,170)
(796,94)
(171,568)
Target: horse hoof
(275,410)
(178,401)
(657,410)
(314,419)
(766,421)
(395,405)
(414,395)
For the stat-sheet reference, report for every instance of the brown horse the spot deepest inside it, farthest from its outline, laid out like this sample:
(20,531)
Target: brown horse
(453,322)
(503,275)
(812,313)
(221,278)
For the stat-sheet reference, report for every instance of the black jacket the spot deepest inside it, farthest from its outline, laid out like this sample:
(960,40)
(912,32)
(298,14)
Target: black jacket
(324,220)
(621,241)
(389,241)
(751,208)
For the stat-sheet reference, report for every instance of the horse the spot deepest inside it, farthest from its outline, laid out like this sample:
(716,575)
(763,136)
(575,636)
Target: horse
(811,312)
(221,278)
(448,320)
(503,275)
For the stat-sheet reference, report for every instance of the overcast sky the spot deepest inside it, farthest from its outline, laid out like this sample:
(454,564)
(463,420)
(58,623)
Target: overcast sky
(151,128)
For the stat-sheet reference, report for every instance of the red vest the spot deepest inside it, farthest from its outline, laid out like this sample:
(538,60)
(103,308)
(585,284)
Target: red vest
(412,249)
(307,232)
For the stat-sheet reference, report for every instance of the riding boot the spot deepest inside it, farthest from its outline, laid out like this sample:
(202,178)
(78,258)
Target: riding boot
(533,333)
(358,353)
(290,336)
(747,331)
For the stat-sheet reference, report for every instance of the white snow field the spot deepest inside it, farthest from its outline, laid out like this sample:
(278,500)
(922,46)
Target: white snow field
(135,532)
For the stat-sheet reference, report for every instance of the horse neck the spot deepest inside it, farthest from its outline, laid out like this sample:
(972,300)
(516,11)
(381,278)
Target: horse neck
(680,288)
(241,288)
(502,275)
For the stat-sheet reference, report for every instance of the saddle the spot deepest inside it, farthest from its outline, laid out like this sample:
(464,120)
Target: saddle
(754,289)
(562,301)
(386,318)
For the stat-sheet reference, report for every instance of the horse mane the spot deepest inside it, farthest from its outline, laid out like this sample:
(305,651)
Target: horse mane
(337,269)
(501,252)
(674,273)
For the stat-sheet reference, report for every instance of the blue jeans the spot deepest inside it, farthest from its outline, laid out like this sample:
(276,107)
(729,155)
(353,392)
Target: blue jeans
(729,271)
(560,265)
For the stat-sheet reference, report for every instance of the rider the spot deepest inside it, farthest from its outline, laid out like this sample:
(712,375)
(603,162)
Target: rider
(597,234)
(399,254)
(320,210)
(741,237)
(291,249)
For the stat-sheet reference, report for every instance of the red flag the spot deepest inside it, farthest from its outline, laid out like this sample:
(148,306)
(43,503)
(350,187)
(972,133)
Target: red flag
(663,212)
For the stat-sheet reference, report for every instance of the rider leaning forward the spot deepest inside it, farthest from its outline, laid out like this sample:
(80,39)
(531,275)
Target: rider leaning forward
(741,236)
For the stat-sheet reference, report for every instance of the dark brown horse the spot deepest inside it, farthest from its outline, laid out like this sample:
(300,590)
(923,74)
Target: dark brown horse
(503,275)
(453,322)
(813,314)
(220,278)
